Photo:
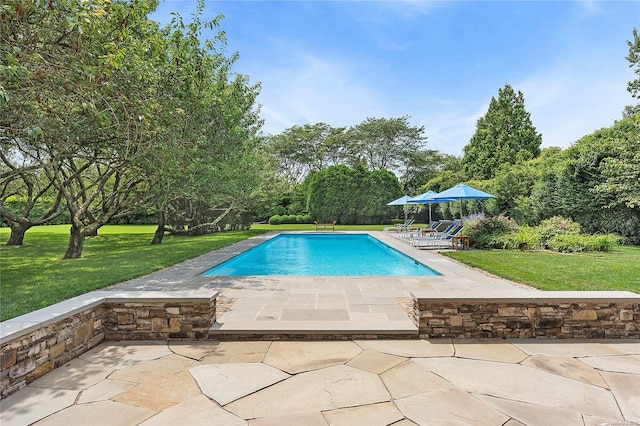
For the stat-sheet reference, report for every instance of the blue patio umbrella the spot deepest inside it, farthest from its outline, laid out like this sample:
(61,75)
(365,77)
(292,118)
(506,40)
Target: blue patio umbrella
(427,198)
(402,201)
(462,192)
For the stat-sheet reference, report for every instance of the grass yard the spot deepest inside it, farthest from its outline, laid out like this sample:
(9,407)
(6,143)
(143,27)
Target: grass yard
(34,275)
(616,270)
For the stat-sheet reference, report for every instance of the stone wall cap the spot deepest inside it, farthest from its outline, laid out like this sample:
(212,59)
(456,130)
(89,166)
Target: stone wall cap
(525,296)
(197,296)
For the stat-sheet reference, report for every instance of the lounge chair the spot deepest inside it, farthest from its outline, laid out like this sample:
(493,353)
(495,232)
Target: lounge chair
(411,234)
(399,228)
(433,233)
(437,239)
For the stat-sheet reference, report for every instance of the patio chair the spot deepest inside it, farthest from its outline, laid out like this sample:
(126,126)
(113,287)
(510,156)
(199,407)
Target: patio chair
(429,236)
(399,227)
(438,239)
(412,234)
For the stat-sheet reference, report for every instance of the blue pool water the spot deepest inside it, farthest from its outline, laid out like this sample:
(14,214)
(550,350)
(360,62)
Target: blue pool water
(321,255)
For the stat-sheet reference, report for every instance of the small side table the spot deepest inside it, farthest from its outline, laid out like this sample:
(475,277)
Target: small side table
(456,240)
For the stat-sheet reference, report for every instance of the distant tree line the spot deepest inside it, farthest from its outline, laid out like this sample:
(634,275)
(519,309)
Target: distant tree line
(595,182)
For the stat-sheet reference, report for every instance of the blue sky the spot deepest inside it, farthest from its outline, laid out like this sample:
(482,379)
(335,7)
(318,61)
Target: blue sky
(439,62)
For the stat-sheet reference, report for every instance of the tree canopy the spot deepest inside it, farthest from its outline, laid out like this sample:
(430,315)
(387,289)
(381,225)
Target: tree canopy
(503,136)
(377,143)
(633,86)
(351,195)
(117,113)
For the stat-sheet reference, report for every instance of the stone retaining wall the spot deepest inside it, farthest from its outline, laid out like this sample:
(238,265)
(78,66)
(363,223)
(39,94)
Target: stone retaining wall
(34,344)
(34,354)
(528,315)
(159,321)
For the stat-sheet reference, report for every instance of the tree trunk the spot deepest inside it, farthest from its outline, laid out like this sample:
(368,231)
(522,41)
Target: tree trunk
(76,244)
(162,220)
(17,233)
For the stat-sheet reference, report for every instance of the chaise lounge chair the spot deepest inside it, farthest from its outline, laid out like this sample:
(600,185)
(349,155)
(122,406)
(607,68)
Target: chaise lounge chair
(399,228)
(437,239)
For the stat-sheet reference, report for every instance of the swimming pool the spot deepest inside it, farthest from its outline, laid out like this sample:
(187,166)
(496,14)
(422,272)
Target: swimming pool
(321,255)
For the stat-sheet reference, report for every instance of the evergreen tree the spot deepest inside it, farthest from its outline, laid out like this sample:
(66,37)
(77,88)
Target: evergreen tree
(505,135)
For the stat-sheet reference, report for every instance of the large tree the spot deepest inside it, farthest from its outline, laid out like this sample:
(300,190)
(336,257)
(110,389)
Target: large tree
(300,150)
(503,136)
(386,143)
(378,143)
(208,163)
(622,167)
(634,85)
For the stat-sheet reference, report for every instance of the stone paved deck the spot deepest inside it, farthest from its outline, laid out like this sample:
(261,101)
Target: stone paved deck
(370,382)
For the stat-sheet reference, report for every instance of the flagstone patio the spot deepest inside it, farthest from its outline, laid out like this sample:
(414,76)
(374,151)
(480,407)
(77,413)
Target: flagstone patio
(369,382)
(351,382)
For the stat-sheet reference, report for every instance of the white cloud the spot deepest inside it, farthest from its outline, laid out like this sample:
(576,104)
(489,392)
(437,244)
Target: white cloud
(572,100)
(405,10)
(449,125)
(315,90)
(566,102)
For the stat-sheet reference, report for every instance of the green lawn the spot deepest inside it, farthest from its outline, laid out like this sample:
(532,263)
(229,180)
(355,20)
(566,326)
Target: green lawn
(34,275)
(616,270)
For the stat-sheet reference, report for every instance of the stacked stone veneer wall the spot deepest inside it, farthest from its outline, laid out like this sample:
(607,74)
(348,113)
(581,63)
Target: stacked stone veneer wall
(528,315)
(158,321)
(34,344)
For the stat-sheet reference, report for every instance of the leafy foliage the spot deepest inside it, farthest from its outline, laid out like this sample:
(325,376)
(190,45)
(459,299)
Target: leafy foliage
(385,144)
(118,115)
(556,234)
(622,167)
(634,61)
(378,143)
(274,220)
(485,233)
(351,195)
(571,243)
(504,136)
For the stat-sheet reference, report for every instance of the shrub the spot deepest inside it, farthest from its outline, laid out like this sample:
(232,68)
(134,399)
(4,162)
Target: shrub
(524,238)
(489,232)
(288,219)
(570,243)
(307,219)
(299,218)
(557,234)
(274,220)
(556,225)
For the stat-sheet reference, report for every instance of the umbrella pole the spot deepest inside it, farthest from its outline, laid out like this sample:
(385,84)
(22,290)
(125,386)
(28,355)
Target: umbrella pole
(429,214)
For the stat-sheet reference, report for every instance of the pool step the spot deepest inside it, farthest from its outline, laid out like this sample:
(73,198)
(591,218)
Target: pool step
(312,330)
